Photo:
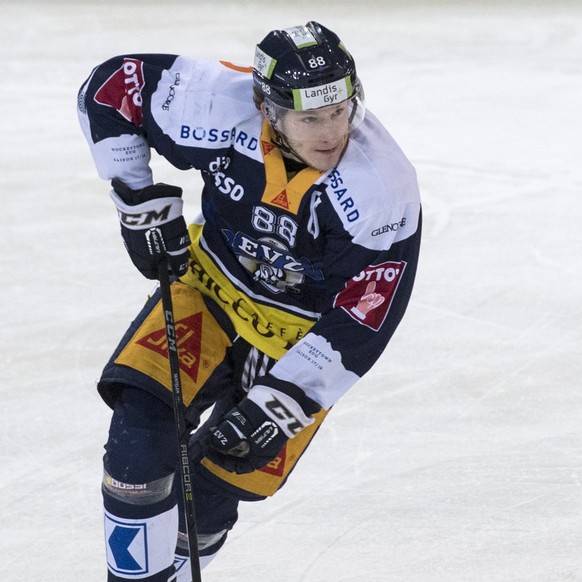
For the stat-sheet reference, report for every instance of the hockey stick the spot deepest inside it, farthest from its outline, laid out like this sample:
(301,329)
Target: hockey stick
(179,417)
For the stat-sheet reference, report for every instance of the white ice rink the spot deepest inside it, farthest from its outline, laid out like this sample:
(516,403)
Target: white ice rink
(459,457)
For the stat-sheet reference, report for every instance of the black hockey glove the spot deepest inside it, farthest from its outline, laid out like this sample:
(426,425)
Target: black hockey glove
(253,433)
(153,208)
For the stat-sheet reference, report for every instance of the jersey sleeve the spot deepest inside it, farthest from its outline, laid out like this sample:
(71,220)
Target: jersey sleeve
(349,338)
(173,104)
(372,226)
(114,113)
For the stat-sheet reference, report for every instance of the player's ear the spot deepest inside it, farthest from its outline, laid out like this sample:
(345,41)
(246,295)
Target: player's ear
(265,110)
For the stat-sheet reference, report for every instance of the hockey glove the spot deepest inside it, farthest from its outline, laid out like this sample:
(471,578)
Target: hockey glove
(152,226)
(253,433)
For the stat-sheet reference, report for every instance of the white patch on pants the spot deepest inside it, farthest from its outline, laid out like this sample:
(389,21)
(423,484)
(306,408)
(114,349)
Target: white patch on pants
(137,548)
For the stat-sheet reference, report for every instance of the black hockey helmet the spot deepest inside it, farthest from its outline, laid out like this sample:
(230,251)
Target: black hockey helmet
(305,67)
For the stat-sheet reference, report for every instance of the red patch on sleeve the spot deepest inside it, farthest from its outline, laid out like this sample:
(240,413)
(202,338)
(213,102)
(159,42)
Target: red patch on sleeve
(122,91)
(367,296)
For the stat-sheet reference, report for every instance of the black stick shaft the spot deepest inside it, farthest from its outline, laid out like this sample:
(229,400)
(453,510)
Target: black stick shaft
(179,418)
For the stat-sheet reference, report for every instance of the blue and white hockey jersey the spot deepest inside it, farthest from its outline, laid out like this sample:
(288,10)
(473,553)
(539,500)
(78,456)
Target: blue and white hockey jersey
(314,269)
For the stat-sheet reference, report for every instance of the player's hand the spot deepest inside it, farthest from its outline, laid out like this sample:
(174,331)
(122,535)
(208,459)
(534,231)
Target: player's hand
(246,439)
(157,207)
(253,433)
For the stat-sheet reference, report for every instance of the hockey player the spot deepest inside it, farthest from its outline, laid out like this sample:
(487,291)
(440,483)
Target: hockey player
(287,288)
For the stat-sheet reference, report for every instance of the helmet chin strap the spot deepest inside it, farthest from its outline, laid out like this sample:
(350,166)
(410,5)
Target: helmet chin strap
(270,112)
(283,144)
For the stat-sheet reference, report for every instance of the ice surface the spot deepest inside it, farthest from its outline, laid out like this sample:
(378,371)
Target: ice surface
(459,457)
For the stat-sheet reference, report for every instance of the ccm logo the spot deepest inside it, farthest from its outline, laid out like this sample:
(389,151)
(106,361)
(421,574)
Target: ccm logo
(146,218)
(280,411)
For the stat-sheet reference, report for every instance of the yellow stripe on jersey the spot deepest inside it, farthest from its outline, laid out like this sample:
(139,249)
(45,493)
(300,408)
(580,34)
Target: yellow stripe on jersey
(271,330)
(279,191)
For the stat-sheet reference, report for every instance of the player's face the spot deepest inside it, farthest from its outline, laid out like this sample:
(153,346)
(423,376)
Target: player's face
(318,136)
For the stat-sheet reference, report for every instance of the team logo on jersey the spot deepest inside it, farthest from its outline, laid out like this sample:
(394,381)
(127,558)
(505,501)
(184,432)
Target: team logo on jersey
(270,262)
(367,296)
(122,91)
(188,336)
